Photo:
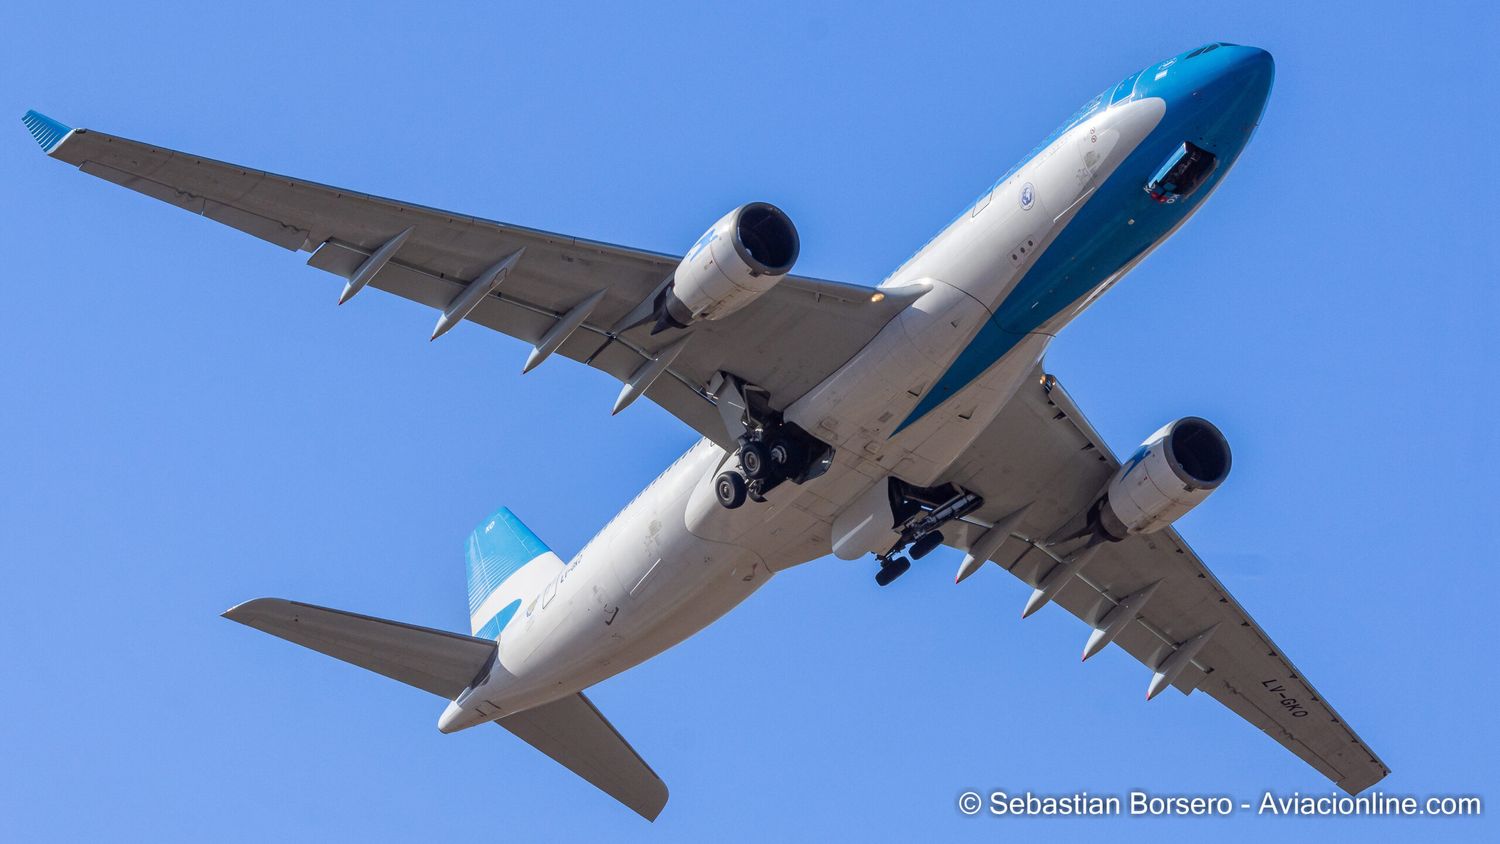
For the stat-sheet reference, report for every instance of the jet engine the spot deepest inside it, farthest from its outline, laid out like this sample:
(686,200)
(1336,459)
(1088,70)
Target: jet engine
(1172,472)
(737,260)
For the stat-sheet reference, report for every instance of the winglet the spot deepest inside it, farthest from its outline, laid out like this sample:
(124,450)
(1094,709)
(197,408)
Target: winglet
(48,132)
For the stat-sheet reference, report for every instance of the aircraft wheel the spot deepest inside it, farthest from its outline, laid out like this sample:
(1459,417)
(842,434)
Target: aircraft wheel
(924,546)
(891,569)
(729,488)
(755,460)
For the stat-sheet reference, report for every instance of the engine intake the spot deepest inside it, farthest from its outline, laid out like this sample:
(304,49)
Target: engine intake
(735,262)
(1172,472)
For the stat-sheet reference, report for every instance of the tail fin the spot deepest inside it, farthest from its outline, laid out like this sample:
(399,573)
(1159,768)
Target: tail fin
(507,564)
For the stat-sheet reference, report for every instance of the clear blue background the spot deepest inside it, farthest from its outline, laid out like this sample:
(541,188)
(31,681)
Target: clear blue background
(188,421)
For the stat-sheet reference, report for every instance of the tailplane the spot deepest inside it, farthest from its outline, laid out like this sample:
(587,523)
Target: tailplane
(432,660)
(506,563)
(574,733)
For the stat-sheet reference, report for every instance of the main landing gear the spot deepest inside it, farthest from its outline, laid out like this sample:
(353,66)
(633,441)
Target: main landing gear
(767,457)
(890,569)
(921,511)
(771,450)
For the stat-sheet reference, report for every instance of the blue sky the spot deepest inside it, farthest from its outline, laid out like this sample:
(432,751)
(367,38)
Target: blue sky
(190,422)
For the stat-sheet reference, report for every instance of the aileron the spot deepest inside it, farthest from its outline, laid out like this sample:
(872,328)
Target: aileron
(835,418)
(787,340)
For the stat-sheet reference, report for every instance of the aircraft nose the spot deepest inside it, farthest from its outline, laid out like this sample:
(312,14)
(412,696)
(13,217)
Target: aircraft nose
(1253,65)
(1249,70)
(1213,77)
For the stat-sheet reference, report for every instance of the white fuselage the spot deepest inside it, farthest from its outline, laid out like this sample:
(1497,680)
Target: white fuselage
(674,560)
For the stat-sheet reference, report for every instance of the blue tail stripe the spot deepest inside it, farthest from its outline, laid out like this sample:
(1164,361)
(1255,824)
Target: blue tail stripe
(492,628)
(496,550)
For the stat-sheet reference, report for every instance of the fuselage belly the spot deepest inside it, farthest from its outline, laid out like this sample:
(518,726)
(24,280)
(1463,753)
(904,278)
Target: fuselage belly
(996,285)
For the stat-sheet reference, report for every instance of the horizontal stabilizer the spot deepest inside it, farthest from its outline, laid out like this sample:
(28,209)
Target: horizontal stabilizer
(572,732)
(432,660)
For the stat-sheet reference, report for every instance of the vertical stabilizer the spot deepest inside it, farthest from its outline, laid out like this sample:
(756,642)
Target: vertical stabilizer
(507,564)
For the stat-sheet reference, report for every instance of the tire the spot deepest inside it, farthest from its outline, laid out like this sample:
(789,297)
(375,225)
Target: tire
(755,460)
(924,546)
(729,488)
(892,570)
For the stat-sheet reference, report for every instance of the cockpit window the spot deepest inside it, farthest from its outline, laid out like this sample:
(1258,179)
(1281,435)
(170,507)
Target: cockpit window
(1184,171)
(1206,48)
(1125,89)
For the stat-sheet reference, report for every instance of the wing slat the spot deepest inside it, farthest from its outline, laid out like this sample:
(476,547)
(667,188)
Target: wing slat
(787,341)
(1240,666)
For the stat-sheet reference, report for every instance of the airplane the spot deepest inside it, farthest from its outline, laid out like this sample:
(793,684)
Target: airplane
(835,419)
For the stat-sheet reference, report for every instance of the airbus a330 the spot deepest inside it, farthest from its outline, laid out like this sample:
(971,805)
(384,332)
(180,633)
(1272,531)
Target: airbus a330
(835,419)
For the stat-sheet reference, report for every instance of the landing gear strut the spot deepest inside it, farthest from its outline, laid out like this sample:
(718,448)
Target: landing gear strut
(921,511)
(771,449)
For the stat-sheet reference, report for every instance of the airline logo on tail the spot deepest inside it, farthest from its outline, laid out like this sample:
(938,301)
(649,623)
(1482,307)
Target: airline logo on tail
(507,564)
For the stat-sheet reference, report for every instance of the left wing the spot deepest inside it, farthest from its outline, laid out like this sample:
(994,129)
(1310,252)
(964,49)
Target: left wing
(1041,451)
(786,341)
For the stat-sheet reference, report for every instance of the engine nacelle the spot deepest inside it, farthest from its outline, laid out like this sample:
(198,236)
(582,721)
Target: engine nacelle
(1174,470)
(736,261)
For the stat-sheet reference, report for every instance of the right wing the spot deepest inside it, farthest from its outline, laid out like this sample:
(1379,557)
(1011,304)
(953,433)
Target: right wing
(1041,451)
(786,342)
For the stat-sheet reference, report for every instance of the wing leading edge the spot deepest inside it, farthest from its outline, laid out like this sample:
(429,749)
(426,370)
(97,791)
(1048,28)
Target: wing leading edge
(1042,452)
(786,341)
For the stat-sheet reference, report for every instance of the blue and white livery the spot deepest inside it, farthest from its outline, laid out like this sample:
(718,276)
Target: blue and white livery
(836,419)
